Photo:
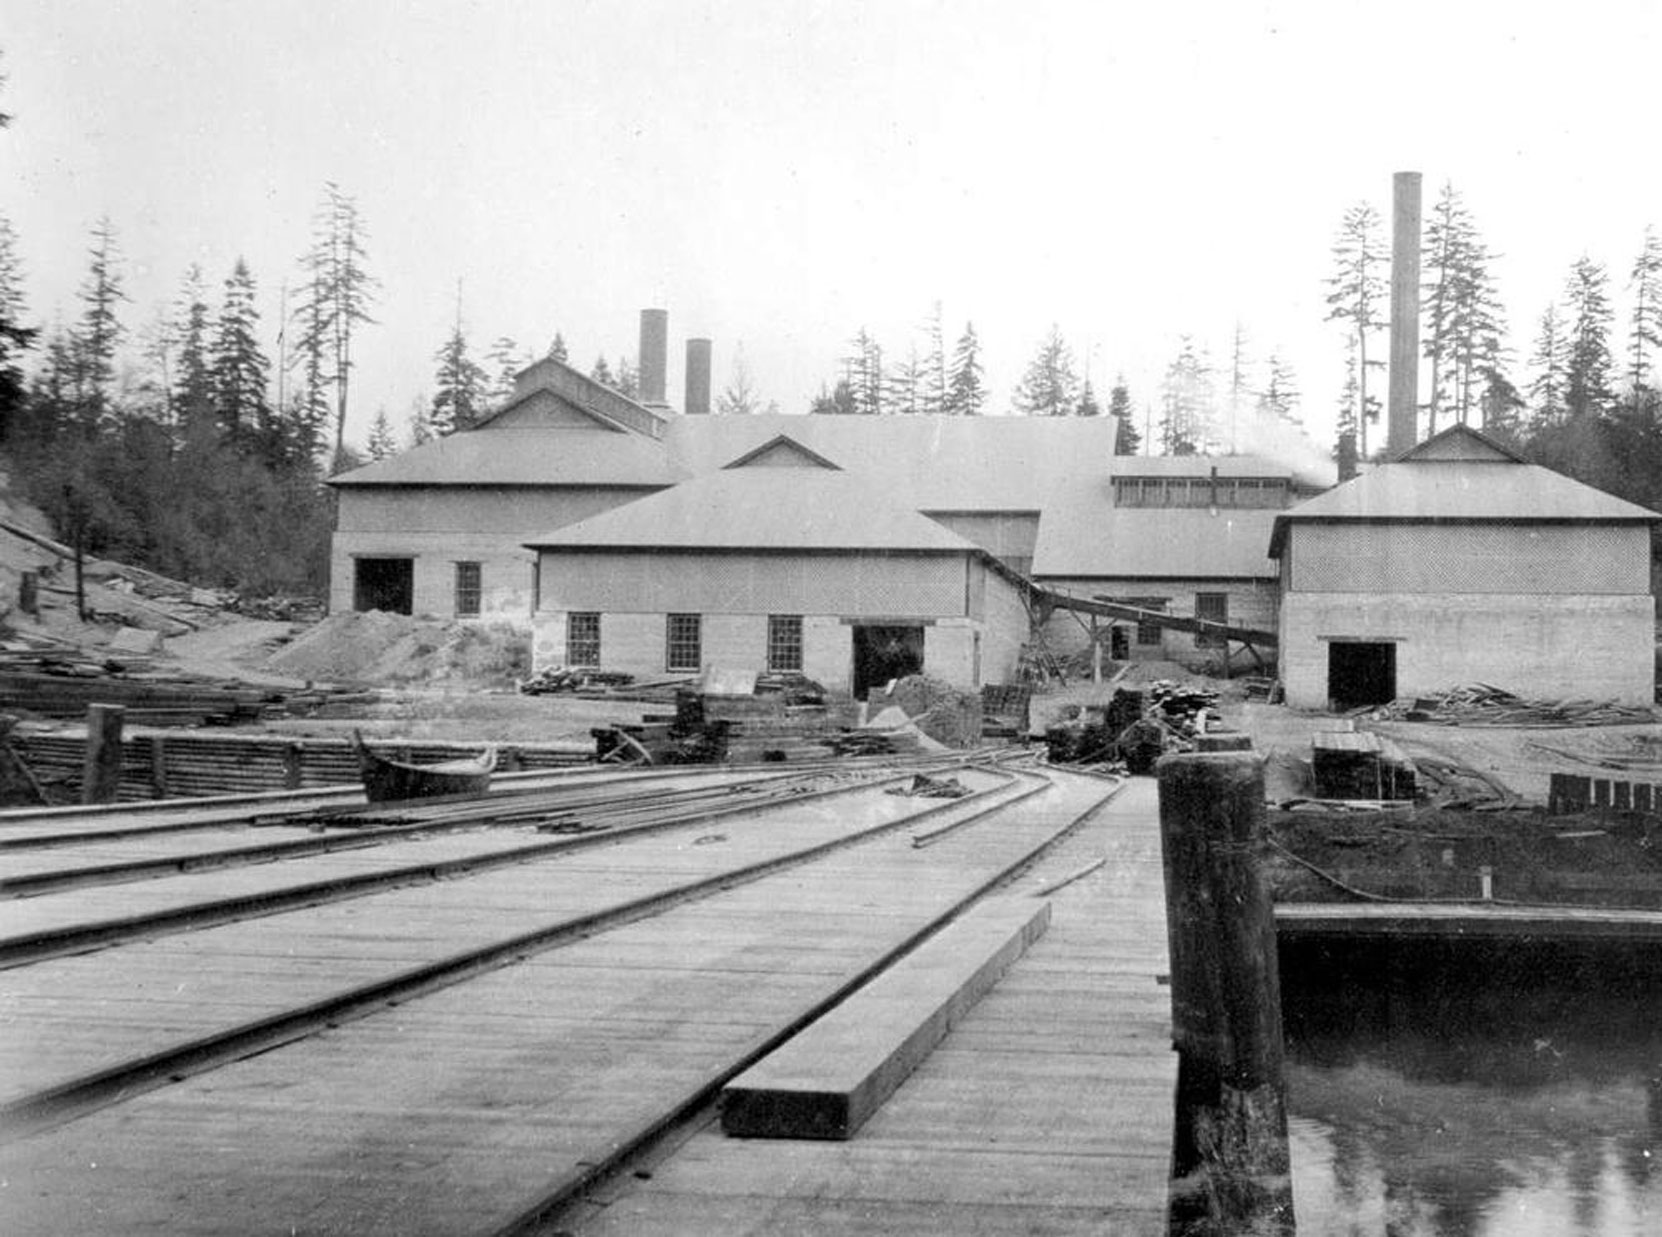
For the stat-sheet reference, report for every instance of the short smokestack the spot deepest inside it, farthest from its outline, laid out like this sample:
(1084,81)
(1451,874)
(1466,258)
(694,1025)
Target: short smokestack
(697,401)
(1403,413)
(654,362)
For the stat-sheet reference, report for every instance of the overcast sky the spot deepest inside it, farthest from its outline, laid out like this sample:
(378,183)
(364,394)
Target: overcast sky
(776,173)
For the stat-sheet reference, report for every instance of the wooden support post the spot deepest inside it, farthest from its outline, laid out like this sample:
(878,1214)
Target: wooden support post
(101,773)
(292,765)
(1096,652)
(158,766)
(1231,1162)
(28,593)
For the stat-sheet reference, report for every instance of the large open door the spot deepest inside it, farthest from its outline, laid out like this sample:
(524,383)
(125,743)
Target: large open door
(883,652)
(384,584)
(1361,673)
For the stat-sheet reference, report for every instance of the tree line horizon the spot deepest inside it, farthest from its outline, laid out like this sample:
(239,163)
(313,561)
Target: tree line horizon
(153,442)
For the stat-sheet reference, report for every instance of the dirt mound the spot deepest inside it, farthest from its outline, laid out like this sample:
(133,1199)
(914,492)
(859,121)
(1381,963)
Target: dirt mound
(375,647)
(943,712)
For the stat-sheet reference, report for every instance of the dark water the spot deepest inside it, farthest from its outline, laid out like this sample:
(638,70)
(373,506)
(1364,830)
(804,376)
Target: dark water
(1464,1090)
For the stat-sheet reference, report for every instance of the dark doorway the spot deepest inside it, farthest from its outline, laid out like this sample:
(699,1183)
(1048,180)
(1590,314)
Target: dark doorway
(885,653)
(384,584)
(1119,642)
(1361,673)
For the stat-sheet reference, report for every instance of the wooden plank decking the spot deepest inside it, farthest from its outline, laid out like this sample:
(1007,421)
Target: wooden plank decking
(462,1110)
(1049,1109)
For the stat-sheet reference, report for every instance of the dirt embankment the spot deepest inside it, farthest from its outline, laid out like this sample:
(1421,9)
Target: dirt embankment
(373,647)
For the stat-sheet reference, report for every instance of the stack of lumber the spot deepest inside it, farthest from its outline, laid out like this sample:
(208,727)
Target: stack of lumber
(58,687)
(185,765)
(572,679)
(1479,704)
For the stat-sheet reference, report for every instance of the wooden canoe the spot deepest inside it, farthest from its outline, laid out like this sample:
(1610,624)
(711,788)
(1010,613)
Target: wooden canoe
(389,781)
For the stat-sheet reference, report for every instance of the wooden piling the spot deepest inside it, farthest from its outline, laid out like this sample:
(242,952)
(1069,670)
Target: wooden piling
(1231,1167)
(101,774)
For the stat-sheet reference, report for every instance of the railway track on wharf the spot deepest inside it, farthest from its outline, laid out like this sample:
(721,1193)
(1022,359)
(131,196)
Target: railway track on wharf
(456,839)
(464,1055)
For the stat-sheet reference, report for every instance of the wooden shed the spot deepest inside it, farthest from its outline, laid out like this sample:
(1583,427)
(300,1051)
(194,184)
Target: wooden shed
(783,561)
(1460,562)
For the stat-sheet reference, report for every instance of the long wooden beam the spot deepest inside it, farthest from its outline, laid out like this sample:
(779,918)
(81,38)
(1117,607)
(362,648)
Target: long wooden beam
(1157,618)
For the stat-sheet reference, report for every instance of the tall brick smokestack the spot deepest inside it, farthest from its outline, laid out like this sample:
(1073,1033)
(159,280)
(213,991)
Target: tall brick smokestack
(696,401)
(654,362)
(1402,408)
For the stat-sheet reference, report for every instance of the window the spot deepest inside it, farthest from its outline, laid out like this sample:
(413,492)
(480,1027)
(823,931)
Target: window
(784,642)
(582,639)
(467,590)
(1148,634)
(1213,606)
(682,647)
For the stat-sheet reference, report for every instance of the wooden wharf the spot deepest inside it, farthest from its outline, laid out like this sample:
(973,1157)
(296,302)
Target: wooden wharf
(516,1098)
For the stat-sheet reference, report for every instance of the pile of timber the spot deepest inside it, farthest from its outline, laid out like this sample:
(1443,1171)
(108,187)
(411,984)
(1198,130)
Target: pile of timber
(575,680)
(1479,704)
(63,685)
(1361,766)
(160,766)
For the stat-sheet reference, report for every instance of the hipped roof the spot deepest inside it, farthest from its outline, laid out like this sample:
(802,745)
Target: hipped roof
(761,509)
(1461,476)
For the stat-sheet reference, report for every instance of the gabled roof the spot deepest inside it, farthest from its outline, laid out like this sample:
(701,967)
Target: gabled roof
(782,451)
(1463,477)
(599,400)
(1461,443)
(761,509)
(577,457)
(1083,535)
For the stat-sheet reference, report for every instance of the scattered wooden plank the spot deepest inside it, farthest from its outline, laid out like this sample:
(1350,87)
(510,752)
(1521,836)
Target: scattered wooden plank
(828,1080)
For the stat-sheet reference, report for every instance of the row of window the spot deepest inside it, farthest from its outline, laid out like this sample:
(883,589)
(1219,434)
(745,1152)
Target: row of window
(1268,492)
(684,641)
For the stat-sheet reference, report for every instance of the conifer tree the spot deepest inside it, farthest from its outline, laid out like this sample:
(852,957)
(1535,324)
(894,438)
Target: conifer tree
(906,386)
(1127,441)
(15,338)
(1587,362)
(382,444)
(626,380)
(99,331)
(557,349)
(933,396)
(459,385)
(739,398)
(965,395)
(1462,311)
(839,401)
(602,373)
(241,371)
(1187,403)
(338,293)
(193,388)
(505,361)
(1645,324)
(1279,399)
(863,371)
(1550,362)
(1239,392)
(1088,407)
(1356,297)
(1050,386)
